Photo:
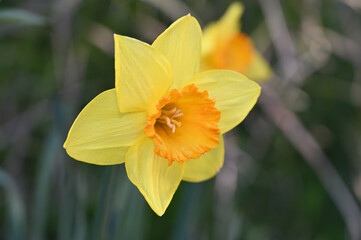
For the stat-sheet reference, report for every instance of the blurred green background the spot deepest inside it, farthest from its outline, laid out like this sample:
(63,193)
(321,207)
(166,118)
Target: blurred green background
(292,169)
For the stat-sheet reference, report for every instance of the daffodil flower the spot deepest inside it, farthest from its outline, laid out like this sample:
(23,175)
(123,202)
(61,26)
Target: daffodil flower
(224,46)
(164,119)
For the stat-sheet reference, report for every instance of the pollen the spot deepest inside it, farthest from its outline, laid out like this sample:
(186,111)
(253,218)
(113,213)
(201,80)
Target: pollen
(184,124)
(235,53)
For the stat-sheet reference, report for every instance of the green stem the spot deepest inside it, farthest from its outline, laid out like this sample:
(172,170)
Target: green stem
(104,201)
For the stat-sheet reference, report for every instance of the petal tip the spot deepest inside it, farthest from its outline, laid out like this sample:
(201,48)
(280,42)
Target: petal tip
(160,213)
(115,36)
(238,5)
(187,18)
(66,143)
(237,8)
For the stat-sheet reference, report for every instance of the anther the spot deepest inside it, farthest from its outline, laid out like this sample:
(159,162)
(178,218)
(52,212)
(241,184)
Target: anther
(167,117)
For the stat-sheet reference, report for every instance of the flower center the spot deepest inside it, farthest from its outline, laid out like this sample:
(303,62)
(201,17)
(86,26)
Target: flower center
(168,117)
(184,124)
(236,53)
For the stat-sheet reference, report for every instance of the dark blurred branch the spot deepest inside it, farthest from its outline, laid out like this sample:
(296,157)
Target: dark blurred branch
(102,37)
(354,4)
(345,48)
(281,38)
(287,121)
(310,150)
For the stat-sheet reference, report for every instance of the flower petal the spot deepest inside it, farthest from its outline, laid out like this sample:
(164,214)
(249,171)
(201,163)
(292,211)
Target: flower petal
(231,18)
(259,70)
(181,44)
(142,74)
(234,93)
(151,174)
(101,156)
(235,53)
(221,30)
(101,134)
(205,167)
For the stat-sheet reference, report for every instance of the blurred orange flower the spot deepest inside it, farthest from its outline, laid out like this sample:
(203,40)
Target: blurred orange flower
(224,46)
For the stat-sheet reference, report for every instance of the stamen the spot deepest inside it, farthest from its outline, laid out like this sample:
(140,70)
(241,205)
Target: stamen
(169,112)
(168,120)
(191,113)
(168,117)
(178,113)
(175,122)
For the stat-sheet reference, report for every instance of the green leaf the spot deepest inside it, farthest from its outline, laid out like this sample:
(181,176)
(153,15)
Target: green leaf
(21,16)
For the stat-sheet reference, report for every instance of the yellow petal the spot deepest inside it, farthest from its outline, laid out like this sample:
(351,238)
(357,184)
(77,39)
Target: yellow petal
(230,21)
(235,53)
(218,31)
(101,156)
(142,74)
(101,134)
(181,44)
(151,174)
(259,69)
(205,167)
(235,94)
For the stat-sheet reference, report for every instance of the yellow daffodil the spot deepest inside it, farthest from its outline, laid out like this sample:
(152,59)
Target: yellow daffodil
(224,46)
(163,118)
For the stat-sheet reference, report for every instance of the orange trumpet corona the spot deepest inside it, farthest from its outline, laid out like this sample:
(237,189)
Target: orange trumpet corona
(184,125)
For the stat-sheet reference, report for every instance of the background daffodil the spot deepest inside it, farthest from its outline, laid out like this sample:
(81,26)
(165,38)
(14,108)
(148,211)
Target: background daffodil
(163,119)
(224,46)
